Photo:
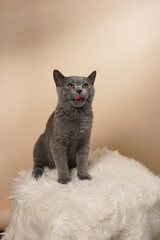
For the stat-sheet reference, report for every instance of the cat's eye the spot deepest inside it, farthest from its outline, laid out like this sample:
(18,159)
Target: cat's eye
(85,85)
(70,85)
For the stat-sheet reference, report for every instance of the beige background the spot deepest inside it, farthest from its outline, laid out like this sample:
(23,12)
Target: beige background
(119,39)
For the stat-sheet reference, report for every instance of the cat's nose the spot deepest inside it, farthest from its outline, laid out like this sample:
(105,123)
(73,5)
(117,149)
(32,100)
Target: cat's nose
(79,91)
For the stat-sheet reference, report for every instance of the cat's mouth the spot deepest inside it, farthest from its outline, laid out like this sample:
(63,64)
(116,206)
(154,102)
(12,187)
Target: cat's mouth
(78,101)
(78,98)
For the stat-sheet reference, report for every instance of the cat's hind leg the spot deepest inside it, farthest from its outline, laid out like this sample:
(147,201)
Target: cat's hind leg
(37,171)
(39,158)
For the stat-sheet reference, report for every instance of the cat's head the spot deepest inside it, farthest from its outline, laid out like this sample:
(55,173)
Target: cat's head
(75,91)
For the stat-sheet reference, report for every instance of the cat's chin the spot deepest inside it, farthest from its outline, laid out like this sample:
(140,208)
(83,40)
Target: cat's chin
(78,104)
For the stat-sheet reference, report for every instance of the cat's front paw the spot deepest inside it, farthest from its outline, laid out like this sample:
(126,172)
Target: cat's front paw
(64,180)
(37,173)
(84,177)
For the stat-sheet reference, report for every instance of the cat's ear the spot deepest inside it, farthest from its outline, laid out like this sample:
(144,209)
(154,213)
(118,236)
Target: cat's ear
(58,77)
(92,77)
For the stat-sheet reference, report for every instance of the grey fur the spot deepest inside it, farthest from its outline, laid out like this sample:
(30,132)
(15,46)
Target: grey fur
(65,141)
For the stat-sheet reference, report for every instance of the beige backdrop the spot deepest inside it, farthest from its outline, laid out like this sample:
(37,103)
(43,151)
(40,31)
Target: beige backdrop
(119,39)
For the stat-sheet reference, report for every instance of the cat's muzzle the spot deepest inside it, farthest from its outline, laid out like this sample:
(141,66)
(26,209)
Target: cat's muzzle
(78,98)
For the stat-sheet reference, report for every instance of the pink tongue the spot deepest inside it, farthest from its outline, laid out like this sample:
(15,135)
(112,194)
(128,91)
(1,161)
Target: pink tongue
(78,97)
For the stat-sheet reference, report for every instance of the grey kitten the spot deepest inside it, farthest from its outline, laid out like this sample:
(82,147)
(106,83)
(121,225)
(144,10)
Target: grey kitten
(65,141)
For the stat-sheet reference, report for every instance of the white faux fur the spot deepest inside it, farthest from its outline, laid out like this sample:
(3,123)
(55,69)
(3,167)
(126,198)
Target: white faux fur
(122,201)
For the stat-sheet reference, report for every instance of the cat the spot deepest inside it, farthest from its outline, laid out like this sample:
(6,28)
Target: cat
(65,141)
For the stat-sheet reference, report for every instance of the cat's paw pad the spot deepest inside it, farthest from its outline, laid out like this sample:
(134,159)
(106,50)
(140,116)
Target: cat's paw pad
(64,180)
(86,177)
(37,173)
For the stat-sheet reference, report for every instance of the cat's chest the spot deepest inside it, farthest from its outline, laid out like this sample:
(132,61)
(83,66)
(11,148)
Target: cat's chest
(79,131)
(79,124)
(75,124)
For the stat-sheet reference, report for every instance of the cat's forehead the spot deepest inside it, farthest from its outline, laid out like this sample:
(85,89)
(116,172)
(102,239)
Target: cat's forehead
(76,80)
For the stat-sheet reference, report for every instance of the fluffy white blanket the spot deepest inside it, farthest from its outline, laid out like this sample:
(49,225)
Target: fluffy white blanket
(122,201)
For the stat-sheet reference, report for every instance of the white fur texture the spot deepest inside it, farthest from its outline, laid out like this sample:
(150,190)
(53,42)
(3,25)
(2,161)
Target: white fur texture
(122,201)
